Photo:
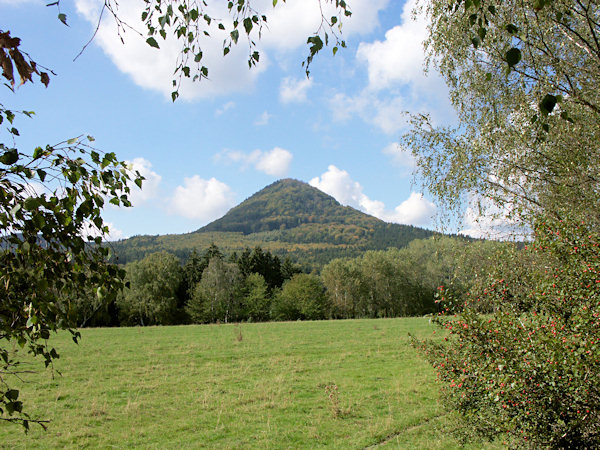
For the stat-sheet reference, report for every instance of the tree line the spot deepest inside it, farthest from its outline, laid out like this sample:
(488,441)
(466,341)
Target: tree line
(255,285)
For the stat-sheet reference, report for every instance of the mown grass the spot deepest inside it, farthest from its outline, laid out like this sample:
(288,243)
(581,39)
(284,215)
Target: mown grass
(344,384)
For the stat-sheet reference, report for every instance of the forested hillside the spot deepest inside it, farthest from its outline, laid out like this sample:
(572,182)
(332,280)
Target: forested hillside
(288,218)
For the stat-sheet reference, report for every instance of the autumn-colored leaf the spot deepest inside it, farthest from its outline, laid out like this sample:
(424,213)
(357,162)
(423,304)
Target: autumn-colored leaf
(7,67)
(44,78)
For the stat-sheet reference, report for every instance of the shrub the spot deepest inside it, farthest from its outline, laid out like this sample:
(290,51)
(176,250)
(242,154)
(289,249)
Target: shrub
(302,297)
(529,370)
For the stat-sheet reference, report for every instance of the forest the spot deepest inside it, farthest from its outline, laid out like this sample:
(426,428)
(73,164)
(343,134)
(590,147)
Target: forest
(254,285)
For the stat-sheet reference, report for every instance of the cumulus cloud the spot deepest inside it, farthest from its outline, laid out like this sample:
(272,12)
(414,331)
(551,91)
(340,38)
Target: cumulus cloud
(400,156)
(487,220)
(387,113)
(338,183)
(202,200)
(90,230)
(399,58)
(294,91)
(291,23)
(153,68)
(149,185)
(289,26)
(397,80)
(416,210)
(274,162)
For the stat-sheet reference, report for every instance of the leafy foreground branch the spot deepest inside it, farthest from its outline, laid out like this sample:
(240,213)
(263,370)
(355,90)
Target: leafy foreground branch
(528,371)
(50,213)
(51,226)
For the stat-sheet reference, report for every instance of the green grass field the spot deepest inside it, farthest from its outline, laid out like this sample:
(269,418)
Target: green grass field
(343,384)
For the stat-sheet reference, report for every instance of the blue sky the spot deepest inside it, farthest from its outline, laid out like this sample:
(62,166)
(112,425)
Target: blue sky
(231,135)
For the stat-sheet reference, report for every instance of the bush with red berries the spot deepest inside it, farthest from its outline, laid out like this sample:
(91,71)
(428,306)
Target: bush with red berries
(526,370)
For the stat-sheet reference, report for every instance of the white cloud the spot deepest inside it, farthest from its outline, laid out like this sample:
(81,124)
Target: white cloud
(488,220)
(397,80)
(289,26)
(390,115)
(263,119)
(291,23)
(387,114)
(149,185)
(294,91)
(274,162)
(202,200)
(416,210)
(399,58)
(153,69)
(223,109)
(400,156)
(90,230)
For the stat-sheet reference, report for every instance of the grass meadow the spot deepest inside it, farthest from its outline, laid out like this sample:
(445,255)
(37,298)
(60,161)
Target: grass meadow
(343,384)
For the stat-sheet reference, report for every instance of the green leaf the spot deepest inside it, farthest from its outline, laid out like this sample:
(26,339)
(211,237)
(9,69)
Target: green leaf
(63,18)
(152,42)
(513,56)
(482,32)
(248,25)
(9,157)
(547,104)
(512,29)
(12,394)
(31,203)
(31,321)
(235,34)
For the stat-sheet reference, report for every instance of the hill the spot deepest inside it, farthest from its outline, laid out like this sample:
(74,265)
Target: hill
(288,204)
(288,218)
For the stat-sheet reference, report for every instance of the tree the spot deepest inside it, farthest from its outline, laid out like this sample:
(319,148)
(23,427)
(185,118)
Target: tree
(343,280)
(152,295)
(301,298)
(523,78)
(257,299)
(192,271)
(217,297)
(51,202)
(289,269)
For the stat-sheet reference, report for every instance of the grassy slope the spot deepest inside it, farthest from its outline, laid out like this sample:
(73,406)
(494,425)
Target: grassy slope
(196,386)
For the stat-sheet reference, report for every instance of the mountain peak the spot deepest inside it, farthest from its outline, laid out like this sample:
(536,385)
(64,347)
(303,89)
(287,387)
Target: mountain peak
(285,204)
